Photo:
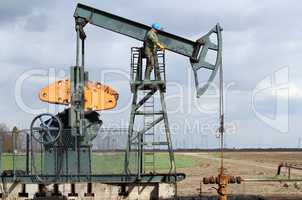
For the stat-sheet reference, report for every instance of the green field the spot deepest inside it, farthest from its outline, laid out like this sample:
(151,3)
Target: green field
(106,163)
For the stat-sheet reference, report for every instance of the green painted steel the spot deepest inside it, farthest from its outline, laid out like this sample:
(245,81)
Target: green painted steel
(77,83)
(72,153)
(133,29)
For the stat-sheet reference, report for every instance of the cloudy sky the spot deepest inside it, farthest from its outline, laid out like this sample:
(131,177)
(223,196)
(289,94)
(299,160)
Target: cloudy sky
(261,44)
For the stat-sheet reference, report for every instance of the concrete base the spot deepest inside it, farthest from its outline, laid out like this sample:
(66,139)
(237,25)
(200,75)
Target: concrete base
(96,192)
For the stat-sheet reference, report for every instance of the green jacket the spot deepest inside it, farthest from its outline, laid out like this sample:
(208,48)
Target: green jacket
(151,40)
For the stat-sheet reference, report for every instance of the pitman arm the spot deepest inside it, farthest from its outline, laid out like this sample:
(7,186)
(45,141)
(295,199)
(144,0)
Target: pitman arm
(196,51)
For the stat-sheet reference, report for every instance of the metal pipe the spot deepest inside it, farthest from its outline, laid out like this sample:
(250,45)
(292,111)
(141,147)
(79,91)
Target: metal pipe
(270,180)
(221,118)
(289,167)
(293,167)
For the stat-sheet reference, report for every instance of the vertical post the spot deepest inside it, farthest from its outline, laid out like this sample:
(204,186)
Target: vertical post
(86,77)
(83,51)
(31,154)
(78,45)
(77,85)
(140,65)
(1,149)
(82,88)
(223,179)
(78,78)
(23,192)
(72,191)
(130,132)
(140,155)
(14,135)
(156,68)
(89,190)
(168,133)
(41,157)
(27,153)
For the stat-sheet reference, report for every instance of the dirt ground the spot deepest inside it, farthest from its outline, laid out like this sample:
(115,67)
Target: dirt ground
(248,165)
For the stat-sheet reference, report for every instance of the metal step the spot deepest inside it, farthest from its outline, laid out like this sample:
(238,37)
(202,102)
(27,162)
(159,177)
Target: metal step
(152,143)
(149,153)
(149,163)
(160,143)
(149,113)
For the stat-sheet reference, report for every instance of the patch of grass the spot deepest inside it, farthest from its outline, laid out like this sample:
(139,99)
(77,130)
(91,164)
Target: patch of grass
(107,163)
(114,162)
(7,162)
(110,163)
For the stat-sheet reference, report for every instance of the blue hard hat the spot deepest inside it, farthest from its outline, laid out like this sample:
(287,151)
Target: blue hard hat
(156,26)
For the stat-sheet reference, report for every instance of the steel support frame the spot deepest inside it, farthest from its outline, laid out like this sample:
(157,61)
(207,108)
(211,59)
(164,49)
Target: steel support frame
(157,85)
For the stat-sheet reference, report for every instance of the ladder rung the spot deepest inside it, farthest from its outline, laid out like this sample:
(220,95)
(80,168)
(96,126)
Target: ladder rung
(160,143)
(149,156)
(149,163)
(149,113)
(150,144)
(149,159)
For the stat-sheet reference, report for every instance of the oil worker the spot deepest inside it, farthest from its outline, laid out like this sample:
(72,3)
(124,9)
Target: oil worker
(151,44)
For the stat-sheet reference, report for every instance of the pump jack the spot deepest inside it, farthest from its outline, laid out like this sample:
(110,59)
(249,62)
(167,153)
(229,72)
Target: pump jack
(71,139)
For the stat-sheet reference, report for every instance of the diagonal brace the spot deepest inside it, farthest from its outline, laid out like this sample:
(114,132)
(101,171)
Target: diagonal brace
(151,125)
(143,100)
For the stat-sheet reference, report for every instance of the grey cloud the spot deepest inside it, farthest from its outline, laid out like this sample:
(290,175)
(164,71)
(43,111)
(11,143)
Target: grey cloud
(37,22)
(29,14)
(14,9)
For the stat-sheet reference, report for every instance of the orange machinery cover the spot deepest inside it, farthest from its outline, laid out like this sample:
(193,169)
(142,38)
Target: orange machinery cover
(97,96)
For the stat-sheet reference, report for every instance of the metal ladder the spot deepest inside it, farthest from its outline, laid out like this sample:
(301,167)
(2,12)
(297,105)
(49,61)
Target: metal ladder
(134,63)
(149,136)
(161,60)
